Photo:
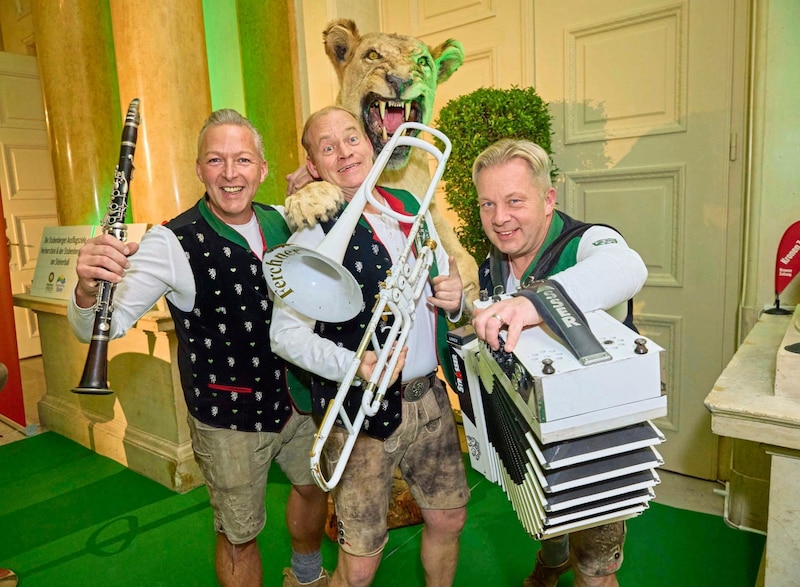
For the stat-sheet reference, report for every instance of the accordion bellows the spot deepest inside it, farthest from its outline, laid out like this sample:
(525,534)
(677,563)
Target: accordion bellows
(572,445)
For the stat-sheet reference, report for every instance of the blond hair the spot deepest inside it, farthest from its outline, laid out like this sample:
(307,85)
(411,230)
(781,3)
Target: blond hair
(504,150)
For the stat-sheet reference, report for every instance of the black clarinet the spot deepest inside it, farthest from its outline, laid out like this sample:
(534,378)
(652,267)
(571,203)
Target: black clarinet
(95,372)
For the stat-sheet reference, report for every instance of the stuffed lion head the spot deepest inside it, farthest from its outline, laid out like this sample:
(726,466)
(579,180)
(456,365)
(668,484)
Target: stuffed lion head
(388,79)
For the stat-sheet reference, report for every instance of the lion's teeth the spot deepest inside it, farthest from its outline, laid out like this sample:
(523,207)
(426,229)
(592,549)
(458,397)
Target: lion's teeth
(383,131)
(408,110)
(382,109)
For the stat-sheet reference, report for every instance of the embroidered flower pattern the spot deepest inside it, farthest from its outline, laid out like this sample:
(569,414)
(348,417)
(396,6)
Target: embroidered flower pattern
(233,396)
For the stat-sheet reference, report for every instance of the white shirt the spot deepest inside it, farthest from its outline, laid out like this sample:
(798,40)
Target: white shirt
(292,334)
(601,252)
(159,268)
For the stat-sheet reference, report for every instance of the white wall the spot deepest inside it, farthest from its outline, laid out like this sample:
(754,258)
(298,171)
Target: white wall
(775,171)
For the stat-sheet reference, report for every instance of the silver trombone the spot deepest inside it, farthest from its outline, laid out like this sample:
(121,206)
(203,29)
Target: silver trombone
(292,267)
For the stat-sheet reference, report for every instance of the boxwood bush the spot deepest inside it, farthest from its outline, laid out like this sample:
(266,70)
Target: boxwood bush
(472,122)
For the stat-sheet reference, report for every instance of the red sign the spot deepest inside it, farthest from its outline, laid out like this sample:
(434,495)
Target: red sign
(787,265)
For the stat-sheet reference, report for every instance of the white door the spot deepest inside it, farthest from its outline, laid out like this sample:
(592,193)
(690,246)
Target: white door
(642,96)
(27,185)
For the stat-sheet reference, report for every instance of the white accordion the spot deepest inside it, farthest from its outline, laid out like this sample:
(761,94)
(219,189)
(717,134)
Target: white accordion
(569,439)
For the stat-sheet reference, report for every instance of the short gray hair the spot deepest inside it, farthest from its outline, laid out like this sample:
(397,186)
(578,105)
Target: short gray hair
(504,150)
(230,116)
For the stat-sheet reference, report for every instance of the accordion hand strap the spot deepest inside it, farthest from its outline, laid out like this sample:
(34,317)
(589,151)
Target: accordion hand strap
(563,317)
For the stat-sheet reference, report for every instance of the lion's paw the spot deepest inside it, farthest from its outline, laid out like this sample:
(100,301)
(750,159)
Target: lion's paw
(315,202)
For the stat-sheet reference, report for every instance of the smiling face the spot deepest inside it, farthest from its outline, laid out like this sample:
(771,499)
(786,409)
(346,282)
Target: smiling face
(514,213)
(231,167)
(338,151)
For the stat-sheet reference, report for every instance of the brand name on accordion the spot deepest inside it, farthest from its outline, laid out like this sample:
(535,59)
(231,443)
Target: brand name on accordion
(558,305)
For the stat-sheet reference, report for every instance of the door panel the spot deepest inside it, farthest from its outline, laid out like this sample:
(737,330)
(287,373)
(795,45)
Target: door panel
(641,97)
(26,181)
(642,110)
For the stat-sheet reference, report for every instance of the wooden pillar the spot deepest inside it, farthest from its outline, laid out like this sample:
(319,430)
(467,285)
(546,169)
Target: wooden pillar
(161,59)
(75,52)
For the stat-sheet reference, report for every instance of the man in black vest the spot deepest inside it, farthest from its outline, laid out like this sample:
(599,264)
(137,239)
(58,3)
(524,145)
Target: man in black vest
(240,396)
(414,429)
(597,269)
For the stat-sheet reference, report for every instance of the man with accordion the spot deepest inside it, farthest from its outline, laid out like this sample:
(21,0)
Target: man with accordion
(594,266)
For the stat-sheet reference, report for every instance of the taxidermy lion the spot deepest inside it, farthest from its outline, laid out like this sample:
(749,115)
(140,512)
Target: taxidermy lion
(387,79)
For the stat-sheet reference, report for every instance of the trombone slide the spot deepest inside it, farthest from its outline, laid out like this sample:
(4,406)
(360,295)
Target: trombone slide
(397,298)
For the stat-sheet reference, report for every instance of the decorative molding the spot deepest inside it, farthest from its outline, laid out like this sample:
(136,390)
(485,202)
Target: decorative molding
(170,463)
(36,158)
(665,331)
(28,229)
(486,56)
(527,24)
(434,16)
(16,112)
(672,21)
(670,180)
(22,8)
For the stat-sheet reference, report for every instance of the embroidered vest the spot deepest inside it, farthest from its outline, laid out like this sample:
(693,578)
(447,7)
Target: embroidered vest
(230,378)
(368,260)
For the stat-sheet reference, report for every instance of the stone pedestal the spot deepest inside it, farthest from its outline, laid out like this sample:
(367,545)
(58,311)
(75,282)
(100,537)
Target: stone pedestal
(787,363)
(745,404)
(142,425)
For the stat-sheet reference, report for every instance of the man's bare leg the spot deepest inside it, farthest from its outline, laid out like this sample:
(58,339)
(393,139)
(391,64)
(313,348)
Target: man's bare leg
(238,565)
(306,512)
(355,571)
(440,544)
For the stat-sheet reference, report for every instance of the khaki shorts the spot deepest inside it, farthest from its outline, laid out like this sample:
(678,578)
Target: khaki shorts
(235,465)
(426,449)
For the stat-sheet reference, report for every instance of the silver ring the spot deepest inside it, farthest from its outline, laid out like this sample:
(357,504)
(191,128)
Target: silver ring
(499,319)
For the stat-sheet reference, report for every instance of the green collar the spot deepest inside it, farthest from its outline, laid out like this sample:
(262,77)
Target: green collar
(556,226)
(275,233)
(219,226)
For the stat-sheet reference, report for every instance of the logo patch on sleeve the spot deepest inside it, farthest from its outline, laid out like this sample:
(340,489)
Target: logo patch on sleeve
(605,241)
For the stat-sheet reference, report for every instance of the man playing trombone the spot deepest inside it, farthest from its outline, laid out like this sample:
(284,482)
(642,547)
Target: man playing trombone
(414,428)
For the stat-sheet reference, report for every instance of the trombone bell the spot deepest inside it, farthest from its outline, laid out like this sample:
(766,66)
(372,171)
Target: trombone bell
(323,280)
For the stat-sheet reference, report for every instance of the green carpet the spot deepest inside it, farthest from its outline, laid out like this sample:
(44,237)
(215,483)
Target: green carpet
(69,517)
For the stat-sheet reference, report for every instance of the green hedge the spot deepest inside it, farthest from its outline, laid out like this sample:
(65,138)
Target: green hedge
(472,122)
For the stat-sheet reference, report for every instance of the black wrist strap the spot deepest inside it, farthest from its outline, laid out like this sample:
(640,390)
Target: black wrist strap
(563,317)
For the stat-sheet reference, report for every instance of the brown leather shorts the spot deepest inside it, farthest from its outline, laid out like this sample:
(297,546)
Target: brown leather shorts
(426,449)
(597,551)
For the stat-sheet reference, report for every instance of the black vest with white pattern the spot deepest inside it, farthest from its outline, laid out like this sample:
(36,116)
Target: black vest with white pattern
(368,260)
(230,377)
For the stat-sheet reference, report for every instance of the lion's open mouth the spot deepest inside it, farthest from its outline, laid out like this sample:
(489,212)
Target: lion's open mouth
(382,116)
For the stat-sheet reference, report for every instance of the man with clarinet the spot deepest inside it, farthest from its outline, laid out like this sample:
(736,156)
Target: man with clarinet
(531,240)
(239,395)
